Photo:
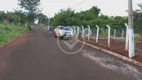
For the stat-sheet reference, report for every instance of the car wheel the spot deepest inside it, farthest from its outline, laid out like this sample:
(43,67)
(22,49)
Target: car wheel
(55,35)
(68,38)
(61,37)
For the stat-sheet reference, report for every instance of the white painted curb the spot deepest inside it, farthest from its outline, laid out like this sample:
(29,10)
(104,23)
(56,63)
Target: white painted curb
(114,54)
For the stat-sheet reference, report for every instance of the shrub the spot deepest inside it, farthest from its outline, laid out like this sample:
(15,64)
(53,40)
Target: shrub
(8,32)
(137,37)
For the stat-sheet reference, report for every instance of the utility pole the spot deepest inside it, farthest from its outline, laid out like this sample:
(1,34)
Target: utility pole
(49,22)
(130,14)
(131,29)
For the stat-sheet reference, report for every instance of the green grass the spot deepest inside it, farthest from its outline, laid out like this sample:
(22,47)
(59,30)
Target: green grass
(105,33)
(137,37)
(8,32)
(43,26)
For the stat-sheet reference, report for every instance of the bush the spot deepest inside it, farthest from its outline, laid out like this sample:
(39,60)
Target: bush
(137,37)
(8,32)
(29,28)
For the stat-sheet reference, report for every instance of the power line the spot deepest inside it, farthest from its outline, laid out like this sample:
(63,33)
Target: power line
(79,4)
(140,5)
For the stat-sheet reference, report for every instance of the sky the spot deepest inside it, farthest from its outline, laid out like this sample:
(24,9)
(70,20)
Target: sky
(50,7)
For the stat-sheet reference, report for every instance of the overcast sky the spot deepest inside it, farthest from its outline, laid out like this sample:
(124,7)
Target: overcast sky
(50,7)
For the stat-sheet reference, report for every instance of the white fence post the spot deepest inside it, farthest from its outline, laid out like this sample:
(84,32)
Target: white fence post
(122,35)
(82,32)
(88,32)
(127,38)
(108,35)
(97,37)
(48,28)
(74,30)
(114,35)
(77,31)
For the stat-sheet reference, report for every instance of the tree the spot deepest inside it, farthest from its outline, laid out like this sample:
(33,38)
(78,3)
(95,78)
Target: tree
(43,19)
(89,14)
(138,21)
(64,17)
(90,17)
(30,5)
(2,14)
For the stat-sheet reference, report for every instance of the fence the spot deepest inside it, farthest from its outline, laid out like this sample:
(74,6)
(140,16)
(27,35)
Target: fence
(119,34)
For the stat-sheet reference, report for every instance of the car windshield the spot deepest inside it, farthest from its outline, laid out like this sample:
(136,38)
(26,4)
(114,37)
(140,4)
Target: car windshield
(67,29)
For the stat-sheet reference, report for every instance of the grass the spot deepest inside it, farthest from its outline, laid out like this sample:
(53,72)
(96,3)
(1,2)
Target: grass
(105,33)
(43,26)
(137,37)
(8,32)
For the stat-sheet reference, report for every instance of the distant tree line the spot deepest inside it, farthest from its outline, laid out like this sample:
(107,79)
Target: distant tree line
(19,17)
(94,17)
(68,17)
(90,17)
(138,19)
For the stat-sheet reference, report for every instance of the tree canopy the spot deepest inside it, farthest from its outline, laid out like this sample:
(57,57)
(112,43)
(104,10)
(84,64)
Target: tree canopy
(43,19)
(140,5)
(90,17)
(30,5)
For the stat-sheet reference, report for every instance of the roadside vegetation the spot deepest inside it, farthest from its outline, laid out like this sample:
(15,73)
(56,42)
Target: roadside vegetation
(8,32)
(13,24)
(66,17)
(44,27)
(93,17)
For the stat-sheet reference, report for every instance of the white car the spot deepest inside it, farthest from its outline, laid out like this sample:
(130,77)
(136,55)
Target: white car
(63,32)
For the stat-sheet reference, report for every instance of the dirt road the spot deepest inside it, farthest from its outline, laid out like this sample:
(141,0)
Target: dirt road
(40,58)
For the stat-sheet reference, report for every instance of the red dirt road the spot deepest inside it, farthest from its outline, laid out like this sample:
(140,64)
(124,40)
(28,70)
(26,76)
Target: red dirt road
(6,50)
(36,56)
